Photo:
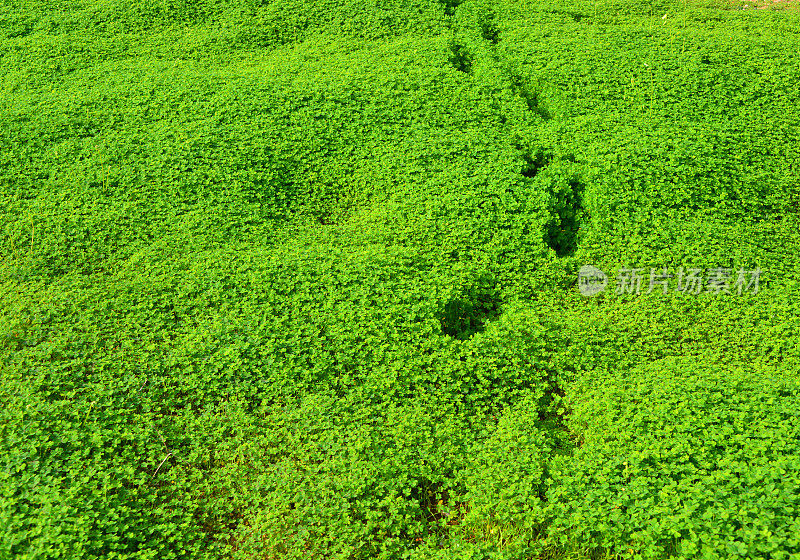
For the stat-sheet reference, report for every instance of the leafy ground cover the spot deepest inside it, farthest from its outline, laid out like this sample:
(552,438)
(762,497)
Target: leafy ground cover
(299,279)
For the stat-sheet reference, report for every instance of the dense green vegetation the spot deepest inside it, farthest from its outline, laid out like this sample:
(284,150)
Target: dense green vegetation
(291,279)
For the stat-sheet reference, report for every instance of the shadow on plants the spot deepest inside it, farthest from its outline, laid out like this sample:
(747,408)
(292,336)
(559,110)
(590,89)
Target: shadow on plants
(489,30)
(437,505)
(450,6)
(325,219)
(561,232)
(460,59)
(532,164)
(576,16)
(531,97)
(463,316)
(532,101)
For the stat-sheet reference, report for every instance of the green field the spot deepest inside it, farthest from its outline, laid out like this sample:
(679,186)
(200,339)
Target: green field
(297,279)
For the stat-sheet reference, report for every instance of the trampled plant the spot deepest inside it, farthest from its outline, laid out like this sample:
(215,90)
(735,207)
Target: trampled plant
(290,279)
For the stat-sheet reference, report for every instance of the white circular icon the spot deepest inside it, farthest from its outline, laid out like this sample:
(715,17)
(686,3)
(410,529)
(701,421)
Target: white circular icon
(591,280)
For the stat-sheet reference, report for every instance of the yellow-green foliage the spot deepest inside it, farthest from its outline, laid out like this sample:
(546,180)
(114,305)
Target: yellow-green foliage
(288,279)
